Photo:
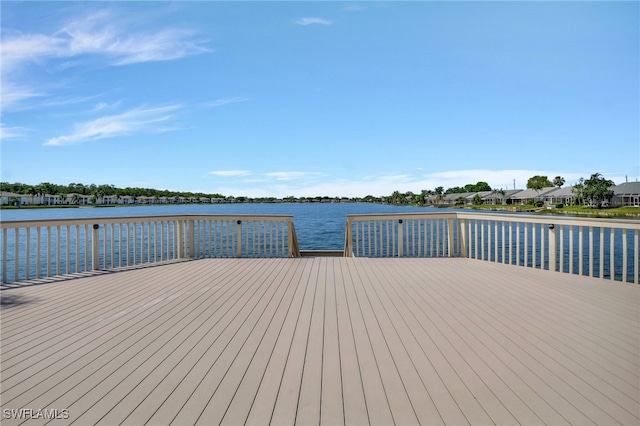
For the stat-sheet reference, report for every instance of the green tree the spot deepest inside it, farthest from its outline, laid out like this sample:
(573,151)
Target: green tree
(538,182)
(597,190)
(439,194)
(578,192)
(558,181)
(477,200)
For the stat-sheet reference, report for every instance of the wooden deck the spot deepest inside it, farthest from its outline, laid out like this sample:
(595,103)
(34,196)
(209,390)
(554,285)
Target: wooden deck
(323,341)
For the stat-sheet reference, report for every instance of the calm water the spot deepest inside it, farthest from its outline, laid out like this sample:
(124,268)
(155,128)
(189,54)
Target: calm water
(319,226)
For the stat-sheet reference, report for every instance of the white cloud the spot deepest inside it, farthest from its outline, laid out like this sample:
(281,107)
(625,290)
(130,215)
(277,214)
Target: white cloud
(12,94)
(308,184)
(223,101)
(11,132)
(313,21)
(134,121)
(102,35)
(495,178)
(229,173)
(290,175)
(100,106)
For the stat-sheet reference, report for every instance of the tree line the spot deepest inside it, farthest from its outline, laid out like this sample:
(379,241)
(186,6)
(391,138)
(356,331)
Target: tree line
(593,192)
(98,191)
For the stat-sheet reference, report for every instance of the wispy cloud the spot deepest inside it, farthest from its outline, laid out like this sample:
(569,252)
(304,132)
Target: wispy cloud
(291,175)
(11,132)
(101,106)
(223,101)
(229,173)
(308,184)
(313,21)
(102,35)
(134,121)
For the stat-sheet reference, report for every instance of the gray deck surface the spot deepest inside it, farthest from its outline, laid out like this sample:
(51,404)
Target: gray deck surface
(324,341)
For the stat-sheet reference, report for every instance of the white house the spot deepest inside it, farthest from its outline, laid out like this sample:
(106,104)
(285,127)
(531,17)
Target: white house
(626,194)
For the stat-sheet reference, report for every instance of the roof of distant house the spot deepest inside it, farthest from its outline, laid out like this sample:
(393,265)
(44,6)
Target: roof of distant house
(627,188)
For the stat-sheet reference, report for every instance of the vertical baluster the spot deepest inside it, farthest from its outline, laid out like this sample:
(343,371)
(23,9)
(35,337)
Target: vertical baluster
(601,266)
(612,254)
(77,254)
(85,247)
(561,268)
(636,257)
(38,249)
(518,226)
(128,257)
(271,237)
(4,255)
(475,239)
(534,245)
(571,249)
(16,254)
(580,250)
(425,237)
(27,263)
(625,257)
(95,246)
(495,241)
(67,257)
(526,244)
(112,241)
(481,240)
(413,237)
(591,242)
(104,245)
(543,242)
(58,254)
(503,239)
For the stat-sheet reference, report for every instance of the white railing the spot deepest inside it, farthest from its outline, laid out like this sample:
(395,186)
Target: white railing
(401,235)
(38,249)
(604,248)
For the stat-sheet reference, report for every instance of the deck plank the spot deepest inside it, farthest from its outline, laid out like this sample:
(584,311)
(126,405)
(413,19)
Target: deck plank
(323,340)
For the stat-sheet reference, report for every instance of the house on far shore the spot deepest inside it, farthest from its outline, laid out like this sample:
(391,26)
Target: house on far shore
(560,196)
(11,199)
(529,196)
(494,198)
(626,194)
(74,198)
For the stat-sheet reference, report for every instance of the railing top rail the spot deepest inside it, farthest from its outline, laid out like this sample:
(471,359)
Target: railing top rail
(507,217)
(134,219)
(384,216)
(555,219)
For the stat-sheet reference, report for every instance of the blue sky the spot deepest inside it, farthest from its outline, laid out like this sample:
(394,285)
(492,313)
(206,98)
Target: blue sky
(318,98)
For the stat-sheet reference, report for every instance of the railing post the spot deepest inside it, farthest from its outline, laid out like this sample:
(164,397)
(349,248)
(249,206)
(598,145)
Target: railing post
(4,255)
(180,238)
(192,238)
(462,237)
(95,247)
(400,238)
(552,247)
(239,236)
(348,244)
(294,250)
(450,242)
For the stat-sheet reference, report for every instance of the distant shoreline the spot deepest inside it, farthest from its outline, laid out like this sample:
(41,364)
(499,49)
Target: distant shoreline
(617,212)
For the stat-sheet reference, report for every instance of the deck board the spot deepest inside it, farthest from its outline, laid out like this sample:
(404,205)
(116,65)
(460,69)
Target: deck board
(323,341)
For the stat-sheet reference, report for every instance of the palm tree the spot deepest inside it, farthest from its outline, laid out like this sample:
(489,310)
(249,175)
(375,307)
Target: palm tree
(558,181)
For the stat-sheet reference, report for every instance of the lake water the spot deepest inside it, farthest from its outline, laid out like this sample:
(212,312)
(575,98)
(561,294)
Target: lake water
(319,226)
